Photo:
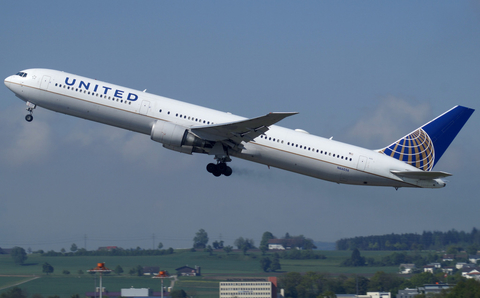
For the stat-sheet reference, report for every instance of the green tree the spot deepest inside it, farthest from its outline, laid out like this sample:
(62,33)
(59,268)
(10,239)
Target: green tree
(239,242)
(66,272)
(47,268)
(382,282)
(418,280)
(264,249)
(244,244)
(178,294)
(355,282)
(453,249)
(18,255)
(264,242)
(209,249)
(265,263)
(160,245)
(118,270)
(355,260)
(275,264)
(468,288)
(289,282)
(14,292)
(228,249)
(73,248)
(472,249)
(139,270)
(201,239)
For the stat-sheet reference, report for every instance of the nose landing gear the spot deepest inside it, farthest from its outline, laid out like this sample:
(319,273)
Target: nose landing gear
(30,108)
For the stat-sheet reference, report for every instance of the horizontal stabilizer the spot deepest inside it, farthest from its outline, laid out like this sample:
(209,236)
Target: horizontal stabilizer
(421,175)
(238,131)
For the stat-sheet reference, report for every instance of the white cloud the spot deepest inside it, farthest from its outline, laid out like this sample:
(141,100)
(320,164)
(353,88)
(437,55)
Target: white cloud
(392,119)
(130,147)
(23,142)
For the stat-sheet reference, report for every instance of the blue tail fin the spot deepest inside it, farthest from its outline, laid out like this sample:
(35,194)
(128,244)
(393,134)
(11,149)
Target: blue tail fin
(423,147)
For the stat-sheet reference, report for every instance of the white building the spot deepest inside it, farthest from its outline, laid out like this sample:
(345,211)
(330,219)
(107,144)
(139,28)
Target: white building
(249,289)
(406,268)
(133,292)
(369,295)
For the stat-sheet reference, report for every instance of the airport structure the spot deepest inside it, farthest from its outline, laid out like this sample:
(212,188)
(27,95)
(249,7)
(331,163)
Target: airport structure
(251,288)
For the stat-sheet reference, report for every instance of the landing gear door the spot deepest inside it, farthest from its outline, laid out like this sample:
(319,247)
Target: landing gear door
(45,82)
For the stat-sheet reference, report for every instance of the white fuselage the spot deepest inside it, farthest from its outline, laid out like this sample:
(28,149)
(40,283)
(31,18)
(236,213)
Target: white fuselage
(279,147)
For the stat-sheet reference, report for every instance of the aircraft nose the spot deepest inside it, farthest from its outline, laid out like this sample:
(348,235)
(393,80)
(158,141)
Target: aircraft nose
(8,82)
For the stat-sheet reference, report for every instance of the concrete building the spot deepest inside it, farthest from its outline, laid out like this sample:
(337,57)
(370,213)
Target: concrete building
(189,271)
(249,288)
(368,295)
(428,289)
(407,293)
(406,268)
(127,293)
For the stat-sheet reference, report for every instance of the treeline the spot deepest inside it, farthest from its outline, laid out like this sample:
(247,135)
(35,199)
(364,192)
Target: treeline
(315,285)
(394,259)
(425,241)
(296,254)
(110,252)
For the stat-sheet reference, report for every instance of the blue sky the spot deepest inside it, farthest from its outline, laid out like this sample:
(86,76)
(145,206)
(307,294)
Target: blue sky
(365,73)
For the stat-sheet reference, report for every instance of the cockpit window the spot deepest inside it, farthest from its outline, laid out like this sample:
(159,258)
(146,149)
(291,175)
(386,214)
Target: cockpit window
(22,74)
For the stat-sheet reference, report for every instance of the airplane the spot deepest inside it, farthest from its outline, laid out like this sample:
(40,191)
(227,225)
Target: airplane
(189,128)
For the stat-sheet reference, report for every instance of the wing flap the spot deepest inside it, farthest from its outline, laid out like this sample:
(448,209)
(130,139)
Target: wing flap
(421,175)
(238,131)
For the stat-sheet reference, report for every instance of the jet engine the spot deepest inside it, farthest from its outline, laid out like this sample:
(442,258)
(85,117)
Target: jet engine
(176,137)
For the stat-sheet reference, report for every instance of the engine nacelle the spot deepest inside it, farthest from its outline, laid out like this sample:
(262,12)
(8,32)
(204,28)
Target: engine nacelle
(175,137)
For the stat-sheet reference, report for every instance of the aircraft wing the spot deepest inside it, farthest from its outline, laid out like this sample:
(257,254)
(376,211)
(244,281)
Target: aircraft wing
(233,133)
(421,175)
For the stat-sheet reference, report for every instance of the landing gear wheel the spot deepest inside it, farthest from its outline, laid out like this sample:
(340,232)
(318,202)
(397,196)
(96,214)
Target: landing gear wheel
(222,167)
(218,169)
(228,171)
(29,118)
(211,167)
(216,173)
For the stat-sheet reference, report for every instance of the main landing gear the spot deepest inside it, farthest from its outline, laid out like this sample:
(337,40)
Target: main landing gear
(219,169)
(221,156)
(30,108)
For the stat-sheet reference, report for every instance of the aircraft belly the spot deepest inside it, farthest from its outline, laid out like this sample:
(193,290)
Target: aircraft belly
(314,167)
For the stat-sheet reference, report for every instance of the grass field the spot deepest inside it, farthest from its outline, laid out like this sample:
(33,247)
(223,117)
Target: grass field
(216,267)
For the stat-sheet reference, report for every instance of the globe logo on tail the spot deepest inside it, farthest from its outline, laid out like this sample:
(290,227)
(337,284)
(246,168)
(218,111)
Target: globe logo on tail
(416,149)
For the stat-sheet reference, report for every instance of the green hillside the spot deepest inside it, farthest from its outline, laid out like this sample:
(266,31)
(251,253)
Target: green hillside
(214,267)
